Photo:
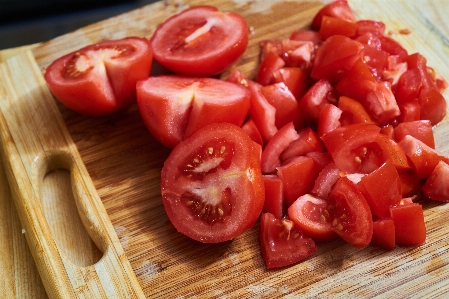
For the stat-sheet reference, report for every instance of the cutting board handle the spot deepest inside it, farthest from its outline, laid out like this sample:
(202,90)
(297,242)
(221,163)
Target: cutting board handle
(35,141)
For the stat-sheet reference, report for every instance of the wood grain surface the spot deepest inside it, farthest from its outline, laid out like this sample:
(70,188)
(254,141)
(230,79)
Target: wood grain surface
(124,162)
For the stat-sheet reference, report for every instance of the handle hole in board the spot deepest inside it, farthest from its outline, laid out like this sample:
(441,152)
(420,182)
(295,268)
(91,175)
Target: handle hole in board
(60,210)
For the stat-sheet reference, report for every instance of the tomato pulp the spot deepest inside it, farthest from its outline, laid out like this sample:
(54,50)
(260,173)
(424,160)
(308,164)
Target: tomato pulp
(100,79)
(211,184)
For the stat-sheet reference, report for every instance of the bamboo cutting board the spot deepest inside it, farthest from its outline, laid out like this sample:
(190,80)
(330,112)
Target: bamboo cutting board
(124,162)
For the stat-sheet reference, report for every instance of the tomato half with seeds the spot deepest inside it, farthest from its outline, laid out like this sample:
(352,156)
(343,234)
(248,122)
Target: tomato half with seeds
(174,107)
(211,184)
(200,41)
(100,79)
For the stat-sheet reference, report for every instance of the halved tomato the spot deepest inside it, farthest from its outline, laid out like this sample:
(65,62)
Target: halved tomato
(282,243)
(200,41)
(100,79)
(174,107)
(211,184)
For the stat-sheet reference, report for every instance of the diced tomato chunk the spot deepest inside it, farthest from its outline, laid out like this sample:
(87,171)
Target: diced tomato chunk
(384,233)
(335,26)
(326,179)
(282,243)
(338,9)
(349,213)
(423,157)
(410,228)
(335,57)
(329,119)
(307,142)
(381,189)
(436,186)
(271,155)
(298,177)
(274,196)
(421,130)
(281,98)
(307,213)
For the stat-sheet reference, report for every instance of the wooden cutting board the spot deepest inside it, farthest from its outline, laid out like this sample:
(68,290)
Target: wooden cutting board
(124,162)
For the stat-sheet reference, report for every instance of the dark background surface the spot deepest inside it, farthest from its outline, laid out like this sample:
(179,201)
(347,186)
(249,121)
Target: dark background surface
(24,22)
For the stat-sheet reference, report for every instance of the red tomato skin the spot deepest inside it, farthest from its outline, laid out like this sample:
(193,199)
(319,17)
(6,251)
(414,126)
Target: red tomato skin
(410,184)
(353,111)
(346,146)
(381,189)
(282,243)
(335,26)
(274,196)
(410,228)
(269,65)
(307,213)
(277,144)
(318,95)
(350,215)
(364,26)
(423,158)
(261,112)
(282,99)
(224,41)
(307,35)
(298,177)
(436,186)
(326,179)
(102,92)
(329,119)
(295,78)
(432,106)
(338,9)
(306,141)
(174,107)
(384,233)
(240,173)
(335,57)
(421,130)
(251,129)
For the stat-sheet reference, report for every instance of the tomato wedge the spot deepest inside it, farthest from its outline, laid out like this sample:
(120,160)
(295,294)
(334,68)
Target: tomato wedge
(100,79)
(211,184)
(307,213)
(349,213)
(174,107)
(200,41)
(282,243)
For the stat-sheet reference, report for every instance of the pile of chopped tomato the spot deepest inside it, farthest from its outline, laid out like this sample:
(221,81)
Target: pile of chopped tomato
(344,115)
(332,139)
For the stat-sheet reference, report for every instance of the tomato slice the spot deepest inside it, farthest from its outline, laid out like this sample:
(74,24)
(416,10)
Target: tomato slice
(282,243)
(100,79)
(211,184)
(174,107)
(200,41)
(307,213)
(349,213)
